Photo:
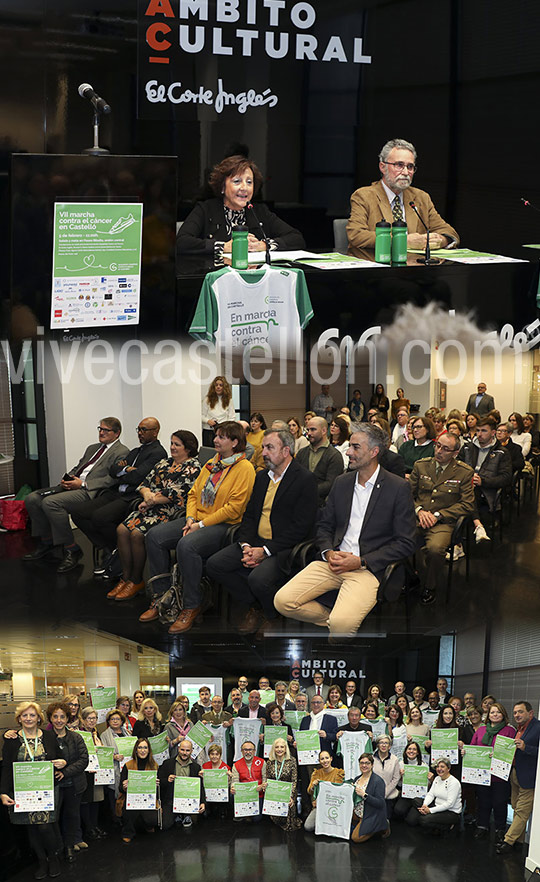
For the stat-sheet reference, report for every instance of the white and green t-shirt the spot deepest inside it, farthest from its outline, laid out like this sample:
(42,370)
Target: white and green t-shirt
(239,309)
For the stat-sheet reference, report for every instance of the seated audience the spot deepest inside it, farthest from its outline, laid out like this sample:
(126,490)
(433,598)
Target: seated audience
(217,500)
(320,457)
(492,471)
(300,439)
(421,445)
(519,435)
(504,435)
(339,437)
(164,492)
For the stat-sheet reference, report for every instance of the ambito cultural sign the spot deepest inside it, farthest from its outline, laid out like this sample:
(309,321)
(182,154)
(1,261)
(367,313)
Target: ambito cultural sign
(203,58)
(332,669)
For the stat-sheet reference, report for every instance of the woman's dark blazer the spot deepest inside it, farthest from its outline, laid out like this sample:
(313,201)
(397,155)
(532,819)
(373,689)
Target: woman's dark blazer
(206,224)
(374,819)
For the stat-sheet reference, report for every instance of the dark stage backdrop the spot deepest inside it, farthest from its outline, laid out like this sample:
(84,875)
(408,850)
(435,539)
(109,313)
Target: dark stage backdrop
(459,78)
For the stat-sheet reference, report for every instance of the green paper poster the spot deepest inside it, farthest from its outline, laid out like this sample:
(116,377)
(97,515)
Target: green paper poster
(96,273)
(33,787)
(141,792)
(187,795)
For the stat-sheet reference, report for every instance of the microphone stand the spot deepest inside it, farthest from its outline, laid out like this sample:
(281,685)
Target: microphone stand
(96,150)
(266,240)
(428,260)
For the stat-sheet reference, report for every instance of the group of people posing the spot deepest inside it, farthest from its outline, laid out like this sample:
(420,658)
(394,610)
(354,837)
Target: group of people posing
(383,737)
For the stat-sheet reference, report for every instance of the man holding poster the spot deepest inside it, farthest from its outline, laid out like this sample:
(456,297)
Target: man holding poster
(523,775)
(181,766)
(247,770)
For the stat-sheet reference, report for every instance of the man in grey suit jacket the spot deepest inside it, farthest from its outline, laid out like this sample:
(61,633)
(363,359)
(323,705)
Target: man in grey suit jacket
(318,687)
(367,523)
(480,403)
(320,457)
(50,507)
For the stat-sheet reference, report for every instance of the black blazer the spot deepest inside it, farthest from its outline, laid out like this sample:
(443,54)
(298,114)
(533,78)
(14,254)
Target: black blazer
(393,462)
(389,528)
(10,750)
(485,405)
(357,701)
(147,455)
(328,468)
(206,224)
(293,514)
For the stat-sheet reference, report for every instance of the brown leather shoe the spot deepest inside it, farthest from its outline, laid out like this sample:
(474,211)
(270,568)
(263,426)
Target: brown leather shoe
(185,621)
(151,613)
(117,588)
(129,590)
(249,623)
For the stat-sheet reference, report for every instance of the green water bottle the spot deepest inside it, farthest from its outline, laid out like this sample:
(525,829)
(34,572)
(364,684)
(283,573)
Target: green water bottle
(240,248)
(399,242)
(383,242)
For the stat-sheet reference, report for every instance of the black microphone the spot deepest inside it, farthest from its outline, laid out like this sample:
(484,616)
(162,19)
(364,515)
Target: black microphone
(86,91)
(266,240)
(529,204)
(427,259)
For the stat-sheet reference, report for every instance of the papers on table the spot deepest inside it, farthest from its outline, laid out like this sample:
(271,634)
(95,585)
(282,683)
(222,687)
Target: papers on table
(465,255)
(333,260)
(278,256)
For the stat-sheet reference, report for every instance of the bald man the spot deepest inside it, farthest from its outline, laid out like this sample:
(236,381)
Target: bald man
(320,457)
(99,517)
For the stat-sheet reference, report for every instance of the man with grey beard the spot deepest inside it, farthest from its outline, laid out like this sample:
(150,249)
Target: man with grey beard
(390,199)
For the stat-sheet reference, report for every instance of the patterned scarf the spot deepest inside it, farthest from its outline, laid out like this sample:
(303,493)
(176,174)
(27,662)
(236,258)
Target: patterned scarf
(218,469)
(234,218)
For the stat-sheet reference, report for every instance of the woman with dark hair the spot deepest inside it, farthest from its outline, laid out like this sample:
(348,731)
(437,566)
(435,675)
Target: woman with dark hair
(123,704)
(164,492)
(339,437)
(422,444)
(208,228)
(529,421)
(94,793)
(70,774)
(357,408)
(520,435)
(295,429)
(447,719)
(471,421)
(497,796)
(257,429)
(369,813)
(32,743)
(141,761)
(325,771)
(334,701)
(394,718)
(138,698)
(217,407)
(412,755)
(398,402)
(380,400)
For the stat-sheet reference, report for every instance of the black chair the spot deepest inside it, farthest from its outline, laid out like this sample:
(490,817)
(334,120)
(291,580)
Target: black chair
(461,535)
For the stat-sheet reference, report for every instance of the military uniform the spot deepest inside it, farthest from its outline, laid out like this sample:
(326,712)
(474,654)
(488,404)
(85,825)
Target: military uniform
(449,494)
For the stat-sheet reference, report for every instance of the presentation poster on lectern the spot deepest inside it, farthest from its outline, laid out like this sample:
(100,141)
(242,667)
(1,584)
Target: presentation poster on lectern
(96,277)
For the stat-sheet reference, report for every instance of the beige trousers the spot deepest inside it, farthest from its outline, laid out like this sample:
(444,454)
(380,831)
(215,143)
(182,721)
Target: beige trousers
(357,597)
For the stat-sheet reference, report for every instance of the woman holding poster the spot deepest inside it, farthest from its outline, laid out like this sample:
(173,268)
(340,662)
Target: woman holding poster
(280,766)
(325,772)
(496,797)
(141,761)
(93,795)
(149,721)
(31,744)
(369,815)
(69,771)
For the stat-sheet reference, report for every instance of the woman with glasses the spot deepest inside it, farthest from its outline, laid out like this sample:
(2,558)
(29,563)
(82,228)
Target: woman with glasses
(422,443)
(94,794)
(369,815)
(75,720)
(164,492)
(141,761)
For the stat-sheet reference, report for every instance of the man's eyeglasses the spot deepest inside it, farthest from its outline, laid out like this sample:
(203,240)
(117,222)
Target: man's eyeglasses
(400,166)
(142,429)
(439,446)
(104,429)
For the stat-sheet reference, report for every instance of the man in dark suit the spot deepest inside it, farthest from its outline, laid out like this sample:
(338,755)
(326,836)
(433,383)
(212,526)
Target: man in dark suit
(480,403)
(320,457)
(280,688)
(280,513)
(253,710)
(51,507)
(100,516)
(318,687)
(351,697)
(523,774)
(367,523)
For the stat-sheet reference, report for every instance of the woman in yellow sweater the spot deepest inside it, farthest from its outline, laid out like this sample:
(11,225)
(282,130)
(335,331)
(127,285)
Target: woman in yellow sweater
(217,499)
(258,428)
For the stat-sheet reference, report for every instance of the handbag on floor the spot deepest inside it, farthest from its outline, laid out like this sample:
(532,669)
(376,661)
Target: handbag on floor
(170,605)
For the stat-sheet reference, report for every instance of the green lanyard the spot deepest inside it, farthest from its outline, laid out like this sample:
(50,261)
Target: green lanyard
(280,769)
(30,754)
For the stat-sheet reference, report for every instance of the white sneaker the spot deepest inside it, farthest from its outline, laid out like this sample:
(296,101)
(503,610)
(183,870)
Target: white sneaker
(458,553)
(480,534)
